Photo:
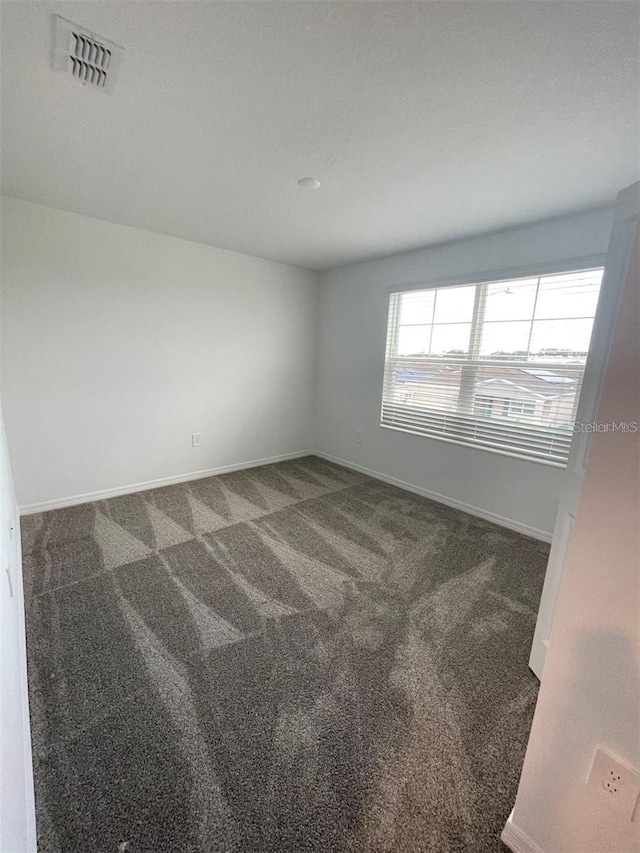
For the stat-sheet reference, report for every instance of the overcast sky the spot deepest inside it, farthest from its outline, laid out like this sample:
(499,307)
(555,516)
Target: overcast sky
(563,317)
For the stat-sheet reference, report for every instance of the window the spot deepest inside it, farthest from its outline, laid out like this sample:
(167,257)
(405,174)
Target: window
(497,365)
(512,408)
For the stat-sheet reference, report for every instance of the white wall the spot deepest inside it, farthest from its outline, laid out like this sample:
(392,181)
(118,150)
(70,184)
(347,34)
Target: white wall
(590,693)
(353,319)
(17,812)
(119,344)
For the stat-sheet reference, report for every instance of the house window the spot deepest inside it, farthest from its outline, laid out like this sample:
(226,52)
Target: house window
(514,408)
(484,405)
(496,365)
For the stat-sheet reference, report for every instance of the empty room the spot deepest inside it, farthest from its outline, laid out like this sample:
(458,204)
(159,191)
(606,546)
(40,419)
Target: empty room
(320,393)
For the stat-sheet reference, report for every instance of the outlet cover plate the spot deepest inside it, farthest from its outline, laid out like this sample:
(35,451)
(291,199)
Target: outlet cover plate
(615,782)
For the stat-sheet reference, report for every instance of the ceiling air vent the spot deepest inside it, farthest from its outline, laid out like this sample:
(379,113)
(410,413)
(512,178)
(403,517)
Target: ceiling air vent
(87,57)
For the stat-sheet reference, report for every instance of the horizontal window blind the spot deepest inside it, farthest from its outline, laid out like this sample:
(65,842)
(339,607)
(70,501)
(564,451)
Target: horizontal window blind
(496,365)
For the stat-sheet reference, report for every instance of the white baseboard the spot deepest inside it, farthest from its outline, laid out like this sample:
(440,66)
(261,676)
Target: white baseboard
(537,657)
(511,523)
(103,494)
(518,840)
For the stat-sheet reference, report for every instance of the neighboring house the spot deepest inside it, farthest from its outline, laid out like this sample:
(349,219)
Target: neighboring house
(540,395)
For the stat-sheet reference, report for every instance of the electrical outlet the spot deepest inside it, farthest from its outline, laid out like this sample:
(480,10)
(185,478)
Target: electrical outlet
(358,435)
(196,439)
(615,782)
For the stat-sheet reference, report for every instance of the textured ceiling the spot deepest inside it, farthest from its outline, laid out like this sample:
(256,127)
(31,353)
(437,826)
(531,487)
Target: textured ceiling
(425,121)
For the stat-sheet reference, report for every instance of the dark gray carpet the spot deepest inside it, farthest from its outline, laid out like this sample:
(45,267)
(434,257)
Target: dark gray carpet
(291,658)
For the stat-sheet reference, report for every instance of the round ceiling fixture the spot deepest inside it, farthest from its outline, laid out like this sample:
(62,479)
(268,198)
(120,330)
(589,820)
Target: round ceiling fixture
(309,183)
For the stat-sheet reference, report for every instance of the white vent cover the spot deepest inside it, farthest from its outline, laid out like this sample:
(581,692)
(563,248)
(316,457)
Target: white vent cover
(87,57)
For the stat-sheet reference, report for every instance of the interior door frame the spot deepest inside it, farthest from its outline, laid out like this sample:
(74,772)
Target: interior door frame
(618,257)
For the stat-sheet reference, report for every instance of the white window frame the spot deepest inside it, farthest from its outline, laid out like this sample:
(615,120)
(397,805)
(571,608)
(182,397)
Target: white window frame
(481,282)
